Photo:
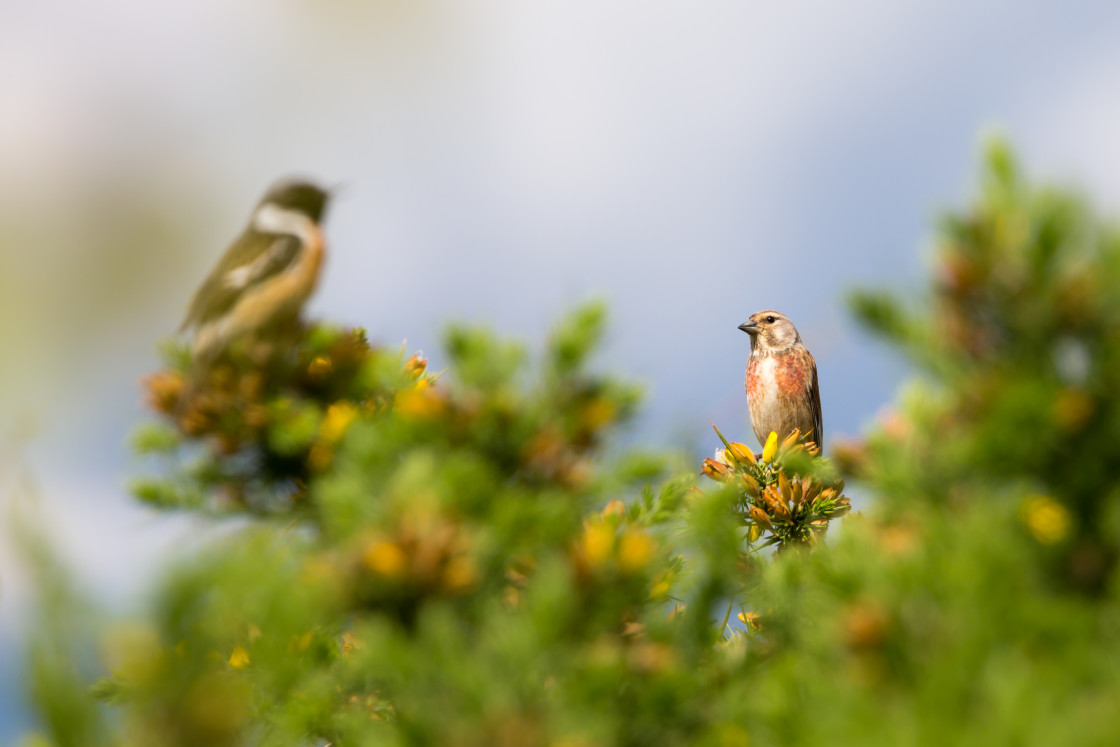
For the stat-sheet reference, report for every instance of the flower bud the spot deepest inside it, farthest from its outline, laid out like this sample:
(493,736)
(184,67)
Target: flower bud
(761,518)
(784,488)
(741,453)
(791,439)
(771,448)
(716,470)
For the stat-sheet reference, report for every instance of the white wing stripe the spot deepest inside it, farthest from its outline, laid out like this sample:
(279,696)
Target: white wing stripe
(239,277)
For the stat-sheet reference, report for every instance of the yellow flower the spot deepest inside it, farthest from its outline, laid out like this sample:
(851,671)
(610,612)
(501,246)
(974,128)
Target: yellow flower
(1048,521)
(614,507)
(741,453)
(715,470)
(337,420)
(597,543)
(320,366)
(761,520)
(419,402)
(751,620)
(384,558)
(331,430)
(239,659)
(770,448)
(634,551)
(459,574)
(416,365)
(661,586)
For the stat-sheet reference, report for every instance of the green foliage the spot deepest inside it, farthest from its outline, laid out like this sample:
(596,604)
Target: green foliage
(58,649)
(464,559)
(1019,340)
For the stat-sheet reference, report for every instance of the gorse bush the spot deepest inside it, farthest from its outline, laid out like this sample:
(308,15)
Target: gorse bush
(465,558)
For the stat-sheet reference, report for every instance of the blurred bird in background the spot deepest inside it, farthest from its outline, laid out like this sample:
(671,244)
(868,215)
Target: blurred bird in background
(265,276)
(781,379)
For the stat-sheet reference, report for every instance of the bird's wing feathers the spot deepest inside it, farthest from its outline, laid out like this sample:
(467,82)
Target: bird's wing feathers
(273,260)
(814,395)
(251,259)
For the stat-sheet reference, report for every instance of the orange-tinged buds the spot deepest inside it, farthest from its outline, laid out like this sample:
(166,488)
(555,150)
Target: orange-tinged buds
(773,500)
(385,559)
(749,484)
(419,403)
(761,518)
(741,453)
(784,488)
(716,470)
(614,507)
(791,439)
(770,448)
(416,365)
(811,491)
(164,390)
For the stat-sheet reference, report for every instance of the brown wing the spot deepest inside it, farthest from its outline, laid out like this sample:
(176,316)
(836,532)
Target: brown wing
(252,258)
(814,395)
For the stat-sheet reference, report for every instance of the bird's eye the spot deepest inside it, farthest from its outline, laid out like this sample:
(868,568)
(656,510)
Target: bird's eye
(770,320)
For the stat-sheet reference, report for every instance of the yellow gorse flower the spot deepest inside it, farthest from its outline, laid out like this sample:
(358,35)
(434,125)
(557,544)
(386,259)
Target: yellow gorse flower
(320,366)
(1048,521)
(385,559)
(771,448)
(635,550)
(597,543)
(337,420)
(239,658)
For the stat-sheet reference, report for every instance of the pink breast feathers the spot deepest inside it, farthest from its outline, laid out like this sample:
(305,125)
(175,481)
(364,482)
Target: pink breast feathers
(792,374)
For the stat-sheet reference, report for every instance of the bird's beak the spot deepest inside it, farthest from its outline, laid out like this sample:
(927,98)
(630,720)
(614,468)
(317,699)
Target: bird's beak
(751,328)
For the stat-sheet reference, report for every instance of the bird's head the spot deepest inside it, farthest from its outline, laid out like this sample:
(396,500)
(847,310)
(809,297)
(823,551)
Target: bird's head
(770,331)
(299,196)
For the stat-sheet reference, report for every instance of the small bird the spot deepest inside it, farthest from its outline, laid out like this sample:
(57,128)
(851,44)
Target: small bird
(266,274)
(781,379)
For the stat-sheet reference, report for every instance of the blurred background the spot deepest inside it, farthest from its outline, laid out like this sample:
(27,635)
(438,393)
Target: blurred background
(499,161)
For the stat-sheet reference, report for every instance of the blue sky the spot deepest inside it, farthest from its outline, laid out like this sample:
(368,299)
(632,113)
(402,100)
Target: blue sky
(501,161)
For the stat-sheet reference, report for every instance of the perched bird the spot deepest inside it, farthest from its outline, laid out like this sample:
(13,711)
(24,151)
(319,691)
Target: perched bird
(781,379)
(266,274)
